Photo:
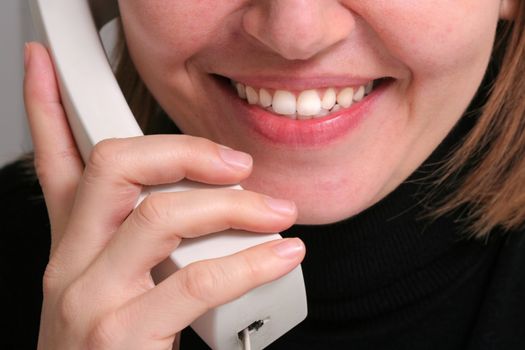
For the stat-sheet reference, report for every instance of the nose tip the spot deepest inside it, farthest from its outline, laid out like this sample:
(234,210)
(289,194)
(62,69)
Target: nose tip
(298,29)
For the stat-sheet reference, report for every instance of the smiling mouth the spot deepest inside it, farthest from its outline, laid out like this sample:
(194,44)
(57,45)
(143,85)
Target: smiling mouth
(306,104)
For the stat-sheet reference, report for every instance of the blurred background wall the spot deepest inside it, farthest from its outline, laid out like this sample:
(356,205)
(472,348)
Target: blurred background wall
(15,30)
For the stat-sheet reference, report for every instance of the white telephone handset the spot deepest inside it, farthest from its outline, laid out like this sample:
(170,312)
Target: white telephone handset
(97,110)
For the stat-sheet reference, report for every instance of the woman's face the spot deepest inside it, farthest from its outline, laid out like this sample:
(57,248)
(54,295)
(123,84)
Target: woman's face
(426,59)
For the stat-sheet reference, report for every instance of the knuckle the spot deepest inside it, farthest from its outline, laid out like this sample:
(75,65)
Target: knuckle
(240,205)
(51,279)
(240,200)
(44,162)
(105,332)
(252,271)
(70,303)
(200,281)
(195,146)
(193,141)
(104,153)
(152,212)
(184,139)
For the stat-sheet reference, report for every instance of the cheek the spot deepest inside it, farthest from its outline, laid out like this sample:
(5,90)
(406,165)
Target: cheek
(164,36)
(173,31)
(433,37)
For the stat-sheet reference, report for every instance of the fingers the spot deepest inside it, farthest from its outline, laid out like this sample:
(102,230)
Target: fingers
(190,292)
(116,171)
(155,228)
(57,161)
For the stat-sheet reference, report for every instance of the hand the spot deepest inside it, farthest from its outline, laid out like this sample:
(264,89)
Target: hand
(98,290)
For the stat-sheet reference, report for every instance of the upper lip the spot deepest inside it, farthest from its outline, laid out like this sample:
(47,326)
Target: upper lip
(281,82)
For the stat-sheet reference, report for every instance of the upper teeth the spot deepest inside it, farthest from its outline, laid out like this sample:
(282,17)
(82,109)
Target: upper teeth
(306,104)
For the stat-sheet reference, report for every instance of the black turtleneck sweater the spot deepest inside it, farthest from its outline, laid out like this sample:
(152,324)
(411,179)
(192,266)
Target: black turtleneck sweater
(384,279)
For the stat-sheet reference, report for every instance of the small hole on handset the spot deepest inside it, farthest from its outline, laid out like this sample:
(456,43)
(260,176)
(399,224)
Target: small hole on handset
(254,327)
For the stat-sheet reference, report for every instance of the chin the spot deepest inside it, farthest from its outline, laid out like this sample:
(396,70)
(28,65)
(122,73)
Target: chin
(321,203)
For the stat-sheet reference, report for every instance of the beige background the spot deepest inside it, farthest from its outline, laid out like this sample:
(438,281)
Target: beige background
(15,30)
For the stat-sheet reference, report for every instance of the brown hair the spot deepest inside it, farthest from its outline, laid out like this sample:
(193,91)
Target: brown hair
(493,187)
(140,100)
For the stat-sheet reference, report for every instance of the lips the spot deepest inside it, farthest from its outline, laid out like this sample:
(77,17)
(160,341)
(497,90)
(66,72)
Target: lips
(291,131)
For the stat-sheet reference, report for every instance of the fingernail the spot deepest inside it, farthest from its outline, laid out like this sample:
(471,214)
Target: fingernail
(281,206)
(289,248)
(27,55)
(236,159)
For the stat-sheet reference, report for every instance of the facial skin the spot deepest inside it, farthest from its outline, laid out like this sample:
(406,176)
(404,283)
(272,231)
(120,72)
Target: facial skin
(435,51)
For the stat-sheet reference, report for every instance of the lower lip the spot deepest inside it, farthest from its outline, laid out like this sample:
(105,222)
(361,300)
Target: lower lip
(304,133)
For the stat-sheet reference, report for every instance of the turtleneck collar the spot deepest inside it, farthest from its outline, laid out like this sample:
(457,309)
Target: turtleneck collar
(388,257)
